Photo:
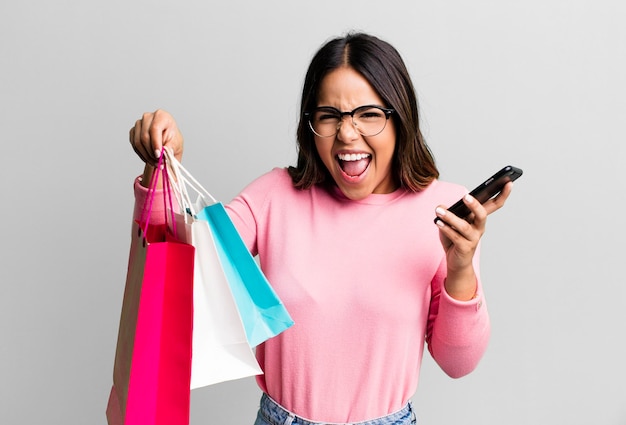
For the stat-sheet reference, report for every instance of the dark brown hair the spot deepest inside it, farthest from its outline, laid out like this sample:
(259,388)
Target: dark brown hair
(381,65)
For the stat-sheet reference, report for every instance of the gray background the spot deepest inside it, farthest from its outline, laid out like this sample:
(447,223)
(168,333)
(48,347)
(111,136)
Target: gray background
(538,84)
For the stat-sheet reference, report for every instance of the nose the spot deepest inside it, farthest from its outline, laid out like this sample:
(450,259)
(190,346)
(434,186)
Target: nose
(349,131)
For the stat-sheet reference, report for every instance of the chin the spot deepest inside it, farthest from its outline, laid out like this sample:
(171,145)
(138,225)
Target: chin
(355,194)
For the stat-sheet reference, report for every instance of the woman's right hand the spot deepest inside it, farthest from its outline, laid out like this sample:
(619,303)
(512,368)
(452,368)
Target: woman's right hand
(151,133)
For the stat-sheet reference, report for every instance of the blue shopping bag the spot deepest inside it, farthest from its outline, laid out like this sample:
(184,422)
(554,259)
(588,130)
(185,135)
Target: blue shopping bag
(262,312)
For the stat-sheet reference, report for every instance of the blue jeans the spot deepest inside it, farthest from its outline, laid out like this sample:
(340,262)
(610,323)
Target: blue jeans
(271,413)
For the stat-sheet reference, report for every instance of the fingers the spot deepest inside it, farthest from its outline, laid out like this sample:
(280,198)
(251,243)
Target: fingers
(472,227)
(141,147)
(463,234)
(140,138)
(457,229)
(498,202)
(460,237)
(152,132)
(477,213)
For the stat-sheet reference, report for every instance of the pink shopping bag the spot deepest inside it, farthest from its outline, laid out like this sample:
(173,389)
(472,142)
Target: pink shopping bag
(152,370)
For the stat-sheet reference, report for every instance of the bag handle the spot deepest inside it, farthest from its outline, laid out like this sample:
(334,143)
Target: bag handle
(185,179)
(180,189)
(146,210)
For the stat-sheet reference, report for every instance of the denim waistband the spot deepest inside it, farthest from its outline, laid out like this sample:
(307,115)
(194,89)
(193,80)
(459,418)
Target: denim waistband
(274,414)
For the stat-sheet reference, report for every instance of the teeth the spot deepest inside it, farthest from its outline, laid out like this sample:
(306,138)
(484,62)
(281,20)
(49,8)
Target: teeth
(352,156)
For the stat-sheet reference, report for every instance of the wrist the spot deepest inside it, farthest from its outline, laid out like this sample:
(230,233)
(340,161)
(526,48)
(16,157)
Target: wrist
(146,176)
(461,284)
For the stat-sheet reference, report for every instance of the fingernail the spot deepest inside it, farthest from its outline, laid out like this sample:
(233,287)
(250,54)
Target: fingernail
(440,211)
(469,198)
(440,223)
(157,153)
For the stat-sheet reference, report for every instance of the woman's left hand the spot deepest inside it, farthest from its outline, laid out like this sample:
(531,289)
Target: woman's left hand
(459,238)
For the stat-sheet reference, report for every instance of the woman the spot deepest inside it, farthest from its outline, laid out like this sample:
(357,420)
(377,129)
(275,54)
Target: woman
(347,239)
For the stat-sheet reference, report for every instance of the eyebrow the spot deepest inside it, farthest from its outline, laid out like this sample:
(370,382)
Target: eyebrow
(358,107)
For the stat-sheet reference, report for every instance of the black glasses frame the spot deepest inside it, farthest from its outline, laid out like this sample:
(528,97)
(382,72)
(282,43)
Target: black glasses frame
(308,114)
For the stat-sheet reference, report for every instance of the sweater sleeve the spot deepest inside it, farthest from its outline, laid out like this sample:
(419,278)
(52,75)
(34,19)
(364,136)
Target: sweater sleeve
(241,212)
(247,210)
(457,331)
(157,213)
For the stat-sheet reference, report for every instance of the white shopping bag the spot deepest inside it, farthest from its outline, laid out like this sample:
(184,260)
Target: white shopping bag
(220,350)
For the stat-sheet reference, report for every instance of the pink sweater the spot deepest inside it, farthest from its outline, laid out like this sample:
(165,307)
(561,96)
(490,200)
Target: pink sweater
(363,283)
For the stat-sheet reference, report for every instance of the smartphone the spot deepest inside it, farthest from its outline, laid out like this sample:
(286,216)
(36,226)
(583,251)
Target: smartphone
(487,190)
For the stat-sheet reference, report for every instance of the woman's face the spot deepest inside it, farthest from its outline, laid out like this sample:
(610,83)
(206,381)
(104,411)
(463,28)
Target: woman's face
(359,165)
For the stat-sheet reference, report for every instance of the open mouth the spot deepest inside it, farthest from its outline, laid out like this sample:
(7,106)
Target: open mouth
(354,164)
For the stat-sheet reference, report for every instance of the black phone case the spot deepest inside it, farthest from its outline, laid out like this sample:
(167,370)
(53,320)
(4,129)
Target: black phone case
(488,189)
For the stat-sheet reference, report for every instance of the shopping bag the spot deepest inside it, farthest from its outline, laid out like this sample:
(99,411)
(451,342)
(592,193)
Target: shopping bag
(152,369)
(262,312)
(220,349)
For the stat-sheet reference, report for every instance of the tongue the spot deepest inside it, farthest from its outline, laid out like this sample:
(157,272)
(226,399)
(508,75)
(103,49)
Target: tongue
(355,168)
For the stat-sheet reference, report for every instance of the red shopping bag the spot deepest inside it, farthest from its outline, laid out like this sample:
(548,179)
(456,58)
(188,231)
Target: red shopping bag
(152,370)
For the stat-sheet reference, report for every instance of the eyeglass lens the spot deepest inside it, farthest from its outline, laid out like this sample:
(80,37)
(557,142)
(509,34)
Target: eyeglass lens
(368,120)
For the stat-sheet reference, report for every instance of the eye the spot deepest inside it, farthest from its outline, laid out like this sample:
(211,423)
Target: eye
(325,115)
(369,114)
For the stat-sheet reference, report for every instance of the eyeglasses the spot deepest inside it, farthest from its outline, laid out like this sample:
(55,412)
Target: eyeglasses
(369,120)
